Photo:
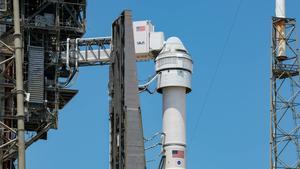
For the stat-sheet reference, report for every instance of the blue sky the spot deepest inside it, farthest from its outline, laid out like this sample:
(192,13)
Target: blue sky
(232,113)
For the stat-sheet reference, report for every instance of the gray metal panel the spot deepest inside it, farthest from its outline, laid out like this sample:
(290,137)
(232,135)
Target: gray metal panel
(134,145)
(127,141)
(36,74)
(2,91)
(3,5)
(2,29)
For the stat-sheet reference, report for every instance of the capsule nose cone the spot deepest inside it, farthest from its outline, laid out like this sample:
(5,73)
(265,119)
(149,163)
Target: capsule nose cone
(174,44)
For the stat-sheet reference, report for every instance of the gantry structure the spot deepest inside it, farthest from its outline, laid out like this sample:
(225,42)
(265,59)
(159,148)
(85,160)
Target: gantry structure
(285,99)
(49,55)
(44,27)
(41,50)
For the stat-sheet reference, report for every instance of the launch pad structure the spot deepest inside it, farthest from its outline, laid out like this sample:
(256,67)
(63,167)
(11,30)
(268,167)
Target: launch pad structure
(127,139)
(285,90)
(46,25)
(41,50)
(33,32)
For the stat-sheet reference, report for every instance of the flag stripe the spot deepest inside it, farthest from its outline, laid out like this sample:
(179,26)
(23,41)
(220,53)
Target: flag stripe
(140,28)
(177,154)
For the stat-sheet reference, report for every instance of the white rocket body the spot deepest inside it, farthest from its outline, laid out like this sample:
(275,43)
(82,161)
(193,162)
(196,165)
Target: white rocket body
(280,8)
(280,13)
(174,67)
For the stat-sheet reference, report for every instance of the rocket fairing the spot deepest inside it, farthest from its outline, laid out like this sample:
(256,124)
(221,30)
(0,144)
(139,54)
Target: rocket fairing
(174,68)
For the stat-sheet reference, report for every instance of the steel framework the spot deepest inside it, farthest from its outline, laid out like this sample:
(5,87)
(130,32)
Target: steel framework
(45,25)
(285,90)
(50,64)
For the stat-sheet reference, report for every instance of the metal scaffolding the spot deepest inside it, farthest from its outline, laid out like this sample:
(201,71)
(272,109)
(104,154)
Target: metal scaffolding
(48,54)
(285,90)
(45,25)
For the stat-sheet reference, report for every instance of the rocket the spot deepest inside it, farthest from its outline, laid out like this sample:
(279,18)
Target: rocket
(280,13)
(174,68)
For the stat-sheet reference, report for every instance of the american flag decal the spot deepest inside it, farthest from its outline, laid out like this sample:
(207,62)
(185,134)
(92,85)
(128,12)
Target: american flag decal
(140,28)
(177,154)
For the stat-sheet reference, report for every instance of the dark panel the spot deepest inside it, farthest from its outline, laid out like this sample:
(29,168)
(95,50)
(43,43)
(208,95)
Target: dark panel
(127,143)
(3,5)
(36,74)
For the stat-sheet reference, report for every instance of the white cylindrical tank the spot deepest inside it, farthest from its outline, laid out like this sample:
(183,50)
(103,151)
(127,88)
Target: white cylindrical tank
(280,26)
(174,126)
(174,68)
(280,8)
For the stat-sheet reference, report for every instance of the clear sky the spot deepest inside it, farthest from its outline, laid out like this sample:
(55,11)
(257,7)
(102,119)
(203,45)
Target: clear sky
(228,109)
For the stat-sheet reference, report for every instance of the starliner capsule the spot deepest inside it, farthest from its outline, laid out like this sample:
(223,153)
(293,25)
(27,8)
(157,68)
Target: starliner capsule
(174,68)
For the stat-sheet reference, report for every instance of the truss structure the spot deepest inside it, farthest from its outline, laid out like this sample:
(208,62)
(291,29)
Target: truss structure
(45,26)
(285,90)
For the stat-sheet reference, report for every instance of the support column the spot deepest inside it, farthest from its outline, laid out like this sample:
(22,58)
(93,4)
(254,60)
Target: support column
(19,85)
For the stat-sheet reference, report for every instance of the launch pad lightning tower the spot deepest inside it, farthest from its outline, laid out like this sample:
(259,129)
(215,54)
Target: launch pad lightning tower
(285,90)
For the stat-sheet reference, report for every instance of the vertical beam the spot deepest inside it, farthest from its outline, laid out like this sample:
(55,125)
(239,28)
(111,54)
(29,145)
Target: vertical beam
(19,85)
(134,139)
(127,141)
(2,94)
